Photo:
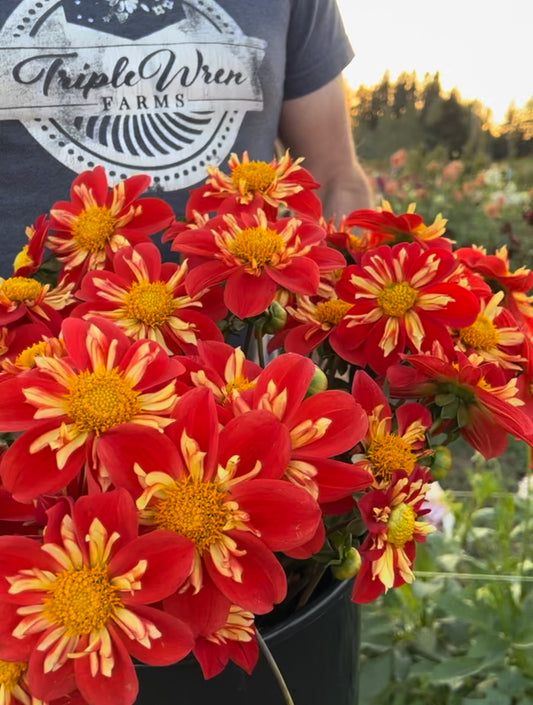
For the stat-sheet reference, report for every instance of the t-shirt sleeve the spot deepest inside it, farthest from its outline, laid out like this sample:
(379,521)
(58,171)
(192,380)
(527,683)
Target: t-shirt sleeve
(318,48)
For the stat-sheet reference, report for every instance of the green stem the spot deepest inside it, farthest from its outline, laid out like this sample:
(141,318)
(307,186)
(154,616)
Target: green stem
(275,669)
(260,348)
(527,520)
(311,585)
(248,339)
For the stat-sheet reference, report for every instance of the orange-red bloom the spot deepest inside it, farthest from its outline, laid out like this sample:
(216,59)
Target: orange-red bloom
(407,227)
(98,220)
(76,606)
(392,518)
(404,298)
(391,443)
(474,398)
(67,406)
(223,489)
(254,184)
(147,300)
(256,257)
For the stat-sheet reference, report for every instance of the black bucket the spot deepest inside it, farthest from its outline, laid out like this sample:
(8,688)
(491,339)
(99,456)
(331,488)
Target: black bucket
(317,651)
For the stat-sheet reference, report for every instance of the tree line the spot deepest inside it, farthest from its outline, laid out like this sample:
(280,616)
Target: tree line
(410,113)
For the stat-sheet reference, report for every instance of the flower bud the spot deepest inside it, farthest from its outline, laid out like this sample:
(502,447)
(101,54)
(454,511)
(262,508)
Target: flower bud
(319,383)
(442,462)
(275,318)
(351,563)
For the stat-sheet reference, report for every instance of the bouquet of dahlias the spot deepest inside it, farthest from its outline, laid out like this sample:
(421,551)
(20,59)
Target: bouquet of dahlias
(185,438)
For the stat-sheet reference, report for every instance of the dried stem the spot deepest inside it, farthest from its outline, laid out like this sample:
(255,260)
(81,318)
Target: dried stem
(275,669)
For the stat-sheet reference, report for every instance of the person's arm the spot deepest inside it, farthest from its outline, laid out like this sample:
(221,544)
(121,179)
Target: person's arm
(317,127)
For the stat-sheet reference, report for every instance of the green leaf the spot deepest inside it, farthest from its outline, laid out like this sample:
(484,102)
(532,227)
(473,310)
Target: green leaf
(374,675)
(456,669)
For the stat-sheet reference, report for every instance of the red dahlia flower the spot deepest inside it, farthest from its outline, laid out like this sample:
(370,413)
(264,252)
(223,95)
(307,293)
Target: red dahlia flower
(478,395)
(314,320)
(391,517)
(320,426)
(222,631)
(30,258)
(76,606)
(389,447)
(256,258)
(494,335)
(252,184)
(516,284)
(223,489)
(26,300)
(225,371)
(403,299)
(67,405)
(147,299)
(401,228)
(98,220)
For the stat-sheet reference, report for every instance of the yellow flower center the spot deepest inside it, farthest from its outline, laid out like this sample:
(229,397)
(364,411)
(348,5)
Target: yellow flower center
(11,673)
(27,357)
(239,384)
(21,289)
(81,600)
(93,228)
(193,509)
(396,299)
(401,525)
(99,400)
(258,246)
(332,312)
(389,453)
(481,335)
(151,303)
(257,176)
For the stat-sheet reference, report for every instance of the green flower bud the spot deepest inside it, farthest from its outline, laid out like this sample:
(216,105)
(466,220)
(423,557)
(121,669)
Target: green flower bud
(351,563)
(442,462)
(275,318)
(319,383)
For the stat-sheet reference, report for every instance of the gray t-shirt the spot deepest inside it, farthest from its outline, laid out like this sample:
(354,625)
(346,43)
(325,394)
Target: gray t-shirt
(162,87)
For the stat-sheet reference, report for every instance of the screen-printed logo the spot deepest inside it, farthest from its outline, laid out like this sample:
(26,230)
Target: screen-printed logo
(164,104)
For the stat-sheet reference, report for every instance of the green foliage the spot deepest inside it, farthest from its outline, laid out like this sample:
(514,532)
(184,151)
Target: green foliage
(462,633)
(483,202)
(419,114)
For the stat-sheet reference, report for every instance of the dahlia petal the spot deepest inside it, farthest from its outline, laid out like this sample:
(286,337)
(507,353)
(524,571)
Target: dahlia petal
(205,611)
(51,685)
(271,444)
(247,295)
(369,394)
(336,479)
(16,414)
(195,414)
(286,516)
(206,275)
(169,558)
(115,510)
(301,276)
(12,648)
(212,657)
(155,216)
(27,480)
(347,423)
(309,548)
(175,642)
(263,579)
(123,447)
(121,688)
(290,375)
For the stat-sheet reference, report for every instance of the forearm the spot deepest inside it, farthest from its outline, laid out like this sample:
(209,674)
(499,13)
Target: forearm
(317,127)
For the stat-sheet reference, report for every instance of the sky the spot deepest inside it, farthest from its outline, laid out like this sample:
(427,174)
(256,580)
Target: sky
(482,47)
